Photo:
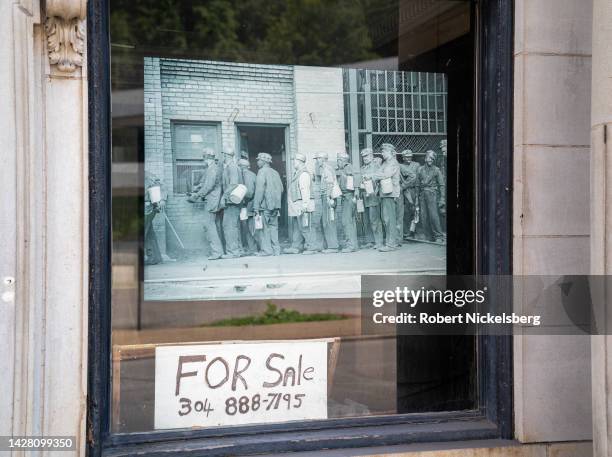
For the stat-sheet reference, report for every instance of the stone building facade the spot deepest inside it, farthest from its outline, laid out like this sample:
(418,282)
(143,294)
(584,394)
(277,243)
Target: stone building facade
(562,120)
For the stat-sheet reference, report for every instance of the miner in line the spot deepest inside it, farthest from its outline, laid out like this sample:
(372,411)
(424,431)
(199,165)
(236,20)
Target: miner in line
(232,176)
(300,207)
(410,191)
(210,191)
(348,217)
(432,194)
(152,208)
(371,200)
(267,204)
(327,200)
(389,191)
(247,223)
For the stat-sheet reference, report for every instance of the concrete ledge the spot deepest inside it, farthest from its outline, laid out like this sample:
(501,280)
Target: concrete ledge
(484,448)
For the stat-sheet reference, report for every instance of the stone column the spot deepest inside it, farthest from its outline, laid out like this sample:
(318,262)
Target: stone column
(66,220)
(601,218)
(43,231)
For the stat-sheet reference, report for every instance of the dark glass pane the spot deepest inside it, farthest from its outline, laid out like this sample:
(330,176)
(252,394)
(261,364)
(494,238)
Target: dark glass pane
(279,77)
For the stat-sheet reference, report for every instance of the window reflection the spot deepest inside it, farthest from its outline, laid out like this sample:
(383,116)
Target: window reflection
(397,87)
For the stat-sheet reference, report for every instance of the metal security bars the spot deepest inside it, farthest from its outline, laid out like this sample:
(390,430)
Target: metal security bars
(382,104)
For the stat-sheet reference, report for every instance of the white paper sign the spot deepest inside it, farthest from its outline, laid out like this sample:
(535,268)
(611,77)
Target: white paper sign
(240,383)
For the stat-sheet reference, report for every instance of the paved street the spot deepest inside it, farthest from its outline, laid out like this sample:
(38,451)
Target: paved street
(288,275)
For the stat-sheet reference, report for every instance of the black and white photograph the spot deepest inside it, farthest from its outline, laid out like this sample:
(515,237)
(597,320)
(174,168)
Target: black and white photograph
(289,181)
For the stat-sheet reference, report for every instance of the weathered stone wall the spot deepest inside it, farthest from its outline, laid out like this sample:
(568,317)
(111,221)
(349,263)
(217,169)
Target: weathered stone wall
(551,206)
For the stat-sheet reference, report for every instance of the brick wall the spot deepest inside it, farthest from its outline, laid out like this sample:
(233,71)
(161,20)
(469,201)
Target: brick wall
(308,100)
(223,93)
(154,135)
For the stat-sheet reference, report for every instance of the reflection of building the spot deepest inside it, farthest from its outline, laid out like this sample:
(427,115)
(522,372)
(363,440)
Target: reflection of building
(277,109)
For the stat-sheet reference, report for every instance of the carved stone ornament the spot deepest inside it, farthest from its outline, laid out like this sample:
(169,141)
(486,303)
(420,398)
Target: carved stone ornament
(65,29)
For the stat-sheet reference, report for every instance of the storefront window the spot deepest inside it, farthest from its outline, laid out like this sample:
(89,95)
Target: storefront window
(250,146)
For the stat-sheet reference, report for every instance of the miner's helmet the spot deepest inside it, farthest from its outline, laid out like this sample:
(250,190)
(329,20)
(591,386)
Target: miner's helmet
(407,153)
(208,153)
(431,154)
(366,152)
(342,155)
(387,147)
(321,155)
(265,157)
(300,157)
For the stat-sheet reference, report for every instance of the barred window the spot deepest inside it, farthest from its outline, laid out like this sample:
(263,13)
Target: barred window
(407,109)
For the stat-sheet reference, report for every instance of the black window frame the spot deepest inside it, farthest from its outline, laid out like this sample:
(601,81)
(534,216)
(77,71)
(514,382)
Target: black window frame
(494,416)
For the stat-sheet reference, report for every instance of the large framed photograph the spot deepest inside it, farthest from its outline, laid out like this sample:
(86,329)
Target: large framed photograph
(290,181)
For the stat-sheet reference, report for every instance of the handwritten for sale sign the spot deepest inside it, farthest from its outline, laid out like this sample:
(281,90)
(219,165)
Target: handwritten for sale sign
(211,385)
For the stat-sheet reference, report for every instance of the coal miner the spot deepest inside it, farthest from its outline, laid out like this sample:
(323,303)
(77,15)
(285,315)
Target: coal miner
(410,192)
(232,177)
(432,195)
(210,191)
(267,204)
(155,202)
(301,206)
(388,177)
(371,200)
(329,191)
(348,216)
(247,224)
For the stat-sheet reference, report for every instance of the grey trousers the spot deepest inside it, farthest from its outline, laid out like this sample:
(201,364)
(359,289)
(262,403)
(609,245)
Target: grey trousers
(212,235)
(409,208)
(316,228)
(300,235)
(151,246)
(268,236)
(375,225)
(247,228)
(388,210)
(349,222)
(430,214)
(330,230)
(231,230)
(400,218)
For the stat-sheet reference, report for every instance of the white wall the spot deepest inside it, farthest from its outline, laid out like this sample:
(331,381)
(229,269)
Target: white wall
(319,105)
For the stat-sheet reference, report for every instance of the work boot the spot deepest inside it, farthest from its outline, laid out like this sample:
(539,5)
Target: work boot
(291,251)
(229,256)
(262,254)
(330,251)
(345,250)
(214,257)
(387,249)
(309,252)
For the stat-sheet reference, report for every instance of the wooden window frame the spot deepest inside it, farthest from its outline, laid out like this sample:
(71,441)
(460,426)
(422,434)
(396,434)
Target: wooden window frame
(493,417)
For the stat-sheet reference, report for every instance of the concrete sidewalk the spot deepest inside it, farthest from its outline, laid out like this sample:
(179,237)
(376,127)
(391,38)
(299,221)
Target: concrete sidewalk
(287,275)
